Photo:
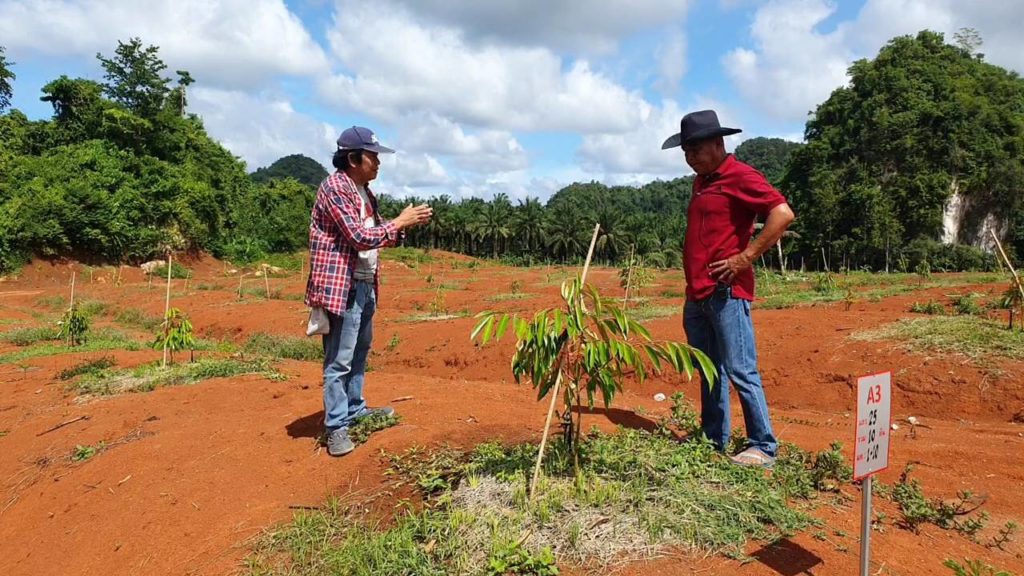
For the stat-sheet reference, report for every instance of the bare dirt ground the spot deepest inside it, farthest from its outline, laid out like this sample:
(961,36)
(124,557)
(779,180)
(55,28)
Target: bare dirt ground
(191,474)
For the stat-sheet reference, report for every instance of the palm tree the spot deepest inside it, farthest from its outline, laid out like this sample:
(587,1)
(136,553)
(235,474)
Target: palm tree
(529,224)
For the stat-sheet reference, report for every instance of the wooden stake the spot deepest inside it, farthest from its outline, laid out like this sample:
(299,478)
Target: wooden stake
(266,279)
(824,259)
(1016,278)
(558,378)
(167,307)
(629,277)
(72,305)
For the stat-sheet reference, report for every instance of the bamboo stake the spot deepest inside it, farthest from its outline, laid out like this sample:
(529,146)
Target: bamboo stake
(558,378)
(824,259)
(167,307)
(1016,278)
(629,277)
(240,276)
(72,305)
(266,279)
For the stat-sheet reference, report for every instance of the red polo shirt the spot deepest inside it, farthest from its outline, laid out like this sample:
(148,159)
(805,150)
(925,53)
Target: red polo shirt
(720,222)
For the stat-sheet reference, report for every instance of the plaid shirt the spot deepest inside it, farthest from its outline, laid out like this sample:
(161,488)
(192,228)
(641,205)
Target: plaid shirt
(336,235)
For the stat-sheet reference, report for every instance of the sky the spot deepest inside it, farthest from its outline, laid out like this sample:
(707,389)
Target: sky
(481,97)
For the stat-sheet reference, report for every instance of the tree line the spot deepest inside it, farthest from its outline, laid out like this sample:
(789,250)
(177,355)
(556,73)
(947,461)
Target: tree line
(122,172)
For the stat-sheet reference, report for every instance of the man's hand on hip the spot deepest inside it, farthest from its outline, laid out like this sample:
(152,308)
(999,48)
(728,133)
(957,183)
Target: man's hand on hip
(727,270)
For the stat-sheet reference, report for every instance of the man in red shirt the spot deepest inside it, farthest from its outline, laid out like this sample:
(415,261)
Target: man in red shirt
(345,234)
(718,253)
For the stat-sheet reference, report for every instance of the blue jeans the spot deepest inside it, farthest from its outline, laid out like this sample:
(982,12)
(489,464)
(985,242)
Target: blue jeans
(720,326)
(346,348)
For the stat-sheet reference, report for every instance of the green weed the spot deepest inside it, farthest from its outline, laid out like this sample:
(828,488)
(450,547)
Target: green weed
(93,367)
(973,568)
(931,308)
(361,430)
(82,453)
(289,347)
(178,271)
(135,318)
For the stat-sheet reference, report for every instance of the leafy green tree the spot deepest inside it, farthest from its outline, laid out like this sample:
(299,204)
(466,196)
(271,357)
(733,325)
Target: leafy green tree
(768,155)
(6,77)
(134,78)
(921,122)
(297,166)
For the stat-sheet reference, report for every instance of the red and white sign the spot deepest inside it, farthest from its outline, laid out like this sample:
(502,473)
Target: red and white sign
(874,400)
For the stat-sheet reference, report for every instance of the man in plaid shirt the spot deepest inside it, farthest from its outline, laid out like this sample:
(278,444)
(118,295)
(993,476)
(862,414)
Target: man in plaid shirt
(345,234)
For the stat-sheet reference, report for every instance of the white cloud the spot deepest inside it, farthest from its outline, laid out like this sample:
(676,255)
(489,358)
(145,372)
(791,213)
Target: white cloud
(228,43)
(261,129)
(482,151)
(397,65)
(412,171)
(593,26)
(636,156)
(671,63)
(998,22)
(794,67)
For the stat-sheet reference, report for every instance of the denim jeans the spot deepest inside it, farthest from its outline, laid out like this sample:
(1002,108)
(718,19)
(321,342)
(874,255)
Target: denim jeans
(720,326)
(346,348)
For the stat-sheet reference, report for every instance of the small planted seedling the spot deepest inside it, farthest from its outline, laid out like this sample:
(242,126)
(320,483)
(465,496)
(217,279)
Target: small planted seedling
(74,326)
(175,334)
(591,344)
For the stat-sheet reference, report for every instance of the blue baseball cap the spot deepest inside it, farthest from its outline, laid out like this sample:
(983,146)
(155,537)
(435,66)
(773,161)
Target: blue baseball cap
(359,138)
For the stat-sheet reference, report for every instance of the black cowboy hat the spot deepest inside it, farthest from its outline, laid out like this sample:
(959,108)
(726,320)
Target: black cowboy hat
(697,126)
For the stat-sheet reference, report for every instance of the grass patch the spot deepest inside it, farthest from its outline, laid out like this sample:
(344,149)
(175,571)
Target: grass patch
(411,257)
(178,271)
(135,318)
(92,308)
(636,494)
(92,367)
(644,312)
(971,336)
(261,292)
(362,429)
(149,377)
(509,296)
(29,336)
(287,262)
(931,308)
(777,291)
(290,347)
(99,340)
(56,302)
(432,317)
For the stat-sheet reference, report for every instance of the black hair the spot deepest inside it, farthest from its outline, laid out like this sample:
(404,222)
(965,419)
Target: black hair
(345,159)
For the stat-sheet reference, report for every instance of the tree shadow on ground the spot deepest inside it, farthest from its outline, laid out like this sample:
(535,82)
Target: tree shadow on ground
(627,419)
(307,427)
(787,558)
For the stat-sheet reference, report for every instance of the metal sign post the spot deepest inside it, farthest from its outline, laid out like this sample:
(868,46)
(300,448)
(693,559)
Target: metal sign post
(871,452)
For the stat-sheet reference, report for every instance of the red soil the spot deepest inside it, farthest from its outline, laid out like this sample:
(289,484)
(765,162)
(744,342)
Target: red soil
(192,473)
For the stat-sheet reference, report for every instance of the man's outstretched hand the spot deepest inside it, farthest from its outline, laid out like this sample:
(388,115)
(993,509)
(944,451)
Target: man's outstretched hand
(413,216)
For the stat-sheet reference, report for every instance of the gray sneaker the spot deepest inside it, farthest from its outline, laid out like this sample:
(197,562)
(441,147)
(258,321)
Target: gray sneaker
(338,442)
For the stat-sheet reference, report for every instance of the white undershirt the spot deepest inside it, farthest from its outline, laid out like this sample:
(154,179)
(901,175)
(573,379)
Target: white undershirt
(366,266)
